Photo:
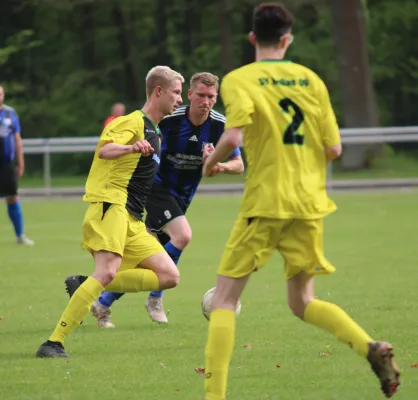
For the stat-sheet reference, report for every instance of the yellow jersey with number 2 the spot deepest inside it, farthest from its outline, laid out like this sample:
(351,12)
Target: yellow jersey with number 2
(287,120)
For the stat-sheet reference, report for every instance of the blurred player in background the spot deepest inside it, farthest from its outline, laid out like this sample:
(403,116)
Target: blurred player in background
(118,110)
(12,166)
(127,258)
(188,136)
(290,132)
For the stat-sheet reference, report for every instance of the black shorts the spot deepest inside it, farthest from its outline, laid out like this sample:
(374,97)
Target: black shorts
(8,180)
(162,207)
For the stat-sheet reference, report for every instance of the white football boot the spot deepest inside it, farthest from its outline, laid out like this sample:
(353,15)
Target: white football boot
(25,240)
(154,306)
(102,314)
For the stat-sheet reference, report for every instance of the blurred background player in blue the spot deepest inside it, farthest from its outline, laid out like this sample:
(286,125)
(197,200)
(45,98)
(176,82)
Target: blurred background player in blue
(12,166)
(189,135)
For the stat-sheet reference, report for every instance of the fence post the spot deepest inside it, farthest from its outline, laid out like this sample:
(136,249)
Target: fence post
(47,170)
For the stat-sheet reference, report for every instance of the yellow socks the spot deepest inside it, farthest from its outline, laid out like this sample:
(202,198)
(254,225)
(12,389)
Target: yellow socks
(218,353)
(333,319)
(134,280)
(78,307)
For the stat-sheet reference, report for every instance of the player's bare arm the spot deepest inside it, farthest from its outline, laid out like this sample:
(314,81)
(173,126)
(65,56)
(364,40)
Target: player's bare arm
(111,151)
(233,166)
(229,141)
(19,155)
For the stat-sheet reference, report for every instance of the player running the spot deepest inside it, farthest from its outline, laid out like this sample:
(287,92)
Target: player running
(127,258)
(189,134)
(290,132)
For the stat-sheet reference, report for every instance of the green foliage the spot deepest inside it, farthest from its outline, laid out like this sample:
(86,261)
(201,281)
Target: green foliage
(63,63)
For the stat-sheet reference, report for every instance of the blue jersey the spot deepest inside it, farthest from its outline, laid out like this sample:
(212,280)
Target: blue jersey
(9,126)
(180,170)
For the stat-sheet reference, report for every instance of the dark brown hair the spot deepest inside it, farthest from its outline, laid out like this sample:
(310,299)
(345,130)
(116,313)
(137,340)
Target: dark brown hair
(270,22)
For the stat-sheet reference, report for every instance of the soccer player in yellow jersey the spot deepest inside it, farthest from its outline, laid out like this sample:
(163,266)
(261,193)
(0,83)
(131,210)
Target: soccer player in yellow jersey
(127,258)
(283,113)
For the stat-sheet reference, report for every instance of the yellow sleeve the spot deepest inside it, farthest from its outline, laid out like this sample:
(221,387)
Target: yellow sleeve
(328,122)
(238,105)
(123,132)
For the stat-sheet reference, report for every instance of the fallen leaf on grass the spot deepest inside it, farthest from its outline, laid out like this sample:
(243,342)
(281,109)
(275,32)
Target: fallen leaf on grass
(414,366)
(200,371)
(328,353)
(1,317)
(248,346)
(163,365)
(277,365)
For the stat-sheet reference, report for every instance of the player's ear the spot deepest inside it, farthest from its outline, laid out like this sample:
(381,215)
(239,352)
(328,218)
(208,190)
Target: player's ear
(189,94)
(286,40)
(252,38)
(158,91)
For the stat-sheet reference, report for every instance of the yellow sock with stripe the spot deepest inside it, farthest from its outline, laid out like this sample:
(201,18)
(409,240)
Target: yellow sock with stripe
(333,319)
(219,348)
(77,309)
(134,280)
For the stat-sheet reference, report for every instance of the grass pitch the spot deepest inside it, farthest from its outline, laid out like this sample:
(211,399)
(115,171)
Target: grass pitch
(372,240)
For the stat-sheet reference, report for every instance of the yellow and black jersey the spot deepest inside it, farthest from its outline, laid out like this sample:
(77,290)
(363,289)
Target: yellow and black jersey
(128,179)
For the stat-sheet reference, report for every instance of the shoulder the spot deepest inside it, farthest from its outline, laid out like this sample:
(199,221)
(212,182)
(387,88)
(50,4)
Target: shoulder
(9,110)
(236,74)
(313,79)
(126,122)
(217,117)
(180,112)
(177,115)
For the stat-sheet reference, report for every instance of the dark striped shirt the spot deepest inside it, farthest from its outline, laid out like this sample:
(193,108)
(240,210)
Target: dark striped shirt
(180,170)
(9,126)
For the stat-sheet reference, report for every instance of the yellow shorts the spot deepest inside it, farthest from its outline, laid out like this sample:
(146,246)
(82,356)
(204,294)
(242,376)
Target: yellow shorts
(112,228)
(252,242)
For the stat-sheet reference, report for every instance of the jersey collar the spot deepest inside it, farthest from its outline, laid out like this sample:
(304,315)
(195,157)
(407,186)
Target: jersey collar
(157,129)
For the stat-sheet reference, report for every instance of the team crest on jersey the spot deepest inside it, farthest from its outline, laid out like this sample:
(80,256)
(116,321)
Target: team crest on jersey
(205,143)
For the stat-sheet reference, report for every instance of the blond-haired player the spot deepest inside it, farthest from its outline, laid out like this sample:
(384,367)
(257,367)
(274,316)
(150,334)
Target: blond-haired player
(126,257)
(188,135)
(290,132)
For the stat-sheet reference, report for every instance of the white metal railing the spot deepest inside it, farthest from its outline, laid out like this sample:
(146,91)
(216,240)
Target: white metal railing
(48,146)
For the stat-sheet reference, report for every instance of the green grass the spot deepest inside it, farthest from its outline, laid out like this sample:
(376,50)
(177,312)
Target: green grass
(389,166)
(371,240)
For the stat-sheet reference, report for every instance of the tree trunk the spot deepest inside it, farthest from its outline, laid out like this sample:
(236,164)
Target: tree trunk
(162,57)
(87,36)
(248,51)
(357,95)
(226,37)
(132,79)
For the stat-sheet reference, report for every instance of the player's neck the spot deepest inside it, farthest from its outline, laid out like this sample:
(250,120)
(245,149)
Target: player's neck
(269,53)
(197,119)
(152,113)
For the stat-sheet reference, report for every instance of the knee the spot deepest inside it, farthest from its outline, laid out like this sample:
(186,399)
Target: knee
(182,240)
(298,306)
(169,279)
(107,266)
(173,278)
(12,199)
(105,277)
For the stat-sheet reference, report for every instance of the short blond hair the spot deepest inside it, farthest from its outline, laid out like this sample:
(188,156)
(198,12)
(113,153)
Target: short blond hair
(160,76)
(206,78)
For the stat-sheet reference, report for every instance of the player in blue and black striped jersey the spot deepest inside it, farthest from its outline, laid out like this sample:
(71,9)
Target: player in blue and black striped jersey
(12,167)
(189,136)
